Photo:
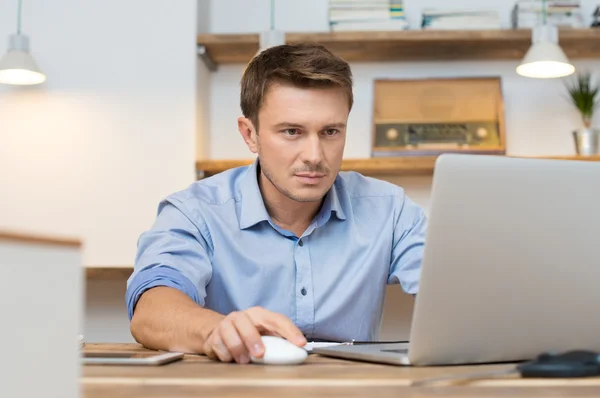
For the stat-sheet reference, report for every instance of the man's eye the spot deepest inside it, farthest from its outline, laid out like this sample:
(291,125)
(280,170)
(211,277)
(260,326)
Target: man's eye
(290,131)
(331,132)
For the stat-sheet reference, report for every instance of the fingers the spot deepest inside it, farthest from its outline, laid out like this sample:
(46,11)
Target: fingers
(249,335)
(216,349)
(277,324)
(288,330)
(231,338)
(237,336)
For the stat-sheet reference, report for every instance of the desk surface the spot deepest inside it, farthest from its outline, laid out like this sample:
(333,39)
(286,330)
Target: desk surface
(318,377)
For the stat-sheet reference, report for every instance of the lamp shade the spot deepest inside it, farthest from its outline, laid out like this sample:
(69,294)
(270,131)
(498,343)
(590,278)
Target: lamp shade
(545,59)
(17,66)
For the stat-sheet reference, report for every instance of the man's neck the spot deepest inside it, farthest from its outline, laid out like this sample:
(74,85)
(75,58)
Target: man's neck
(287,213)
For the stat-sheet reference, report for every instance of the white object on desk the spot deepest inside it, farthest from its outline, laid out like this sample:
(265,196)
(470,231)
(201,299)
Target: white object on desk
(151,358)
(279,351)
(41,294)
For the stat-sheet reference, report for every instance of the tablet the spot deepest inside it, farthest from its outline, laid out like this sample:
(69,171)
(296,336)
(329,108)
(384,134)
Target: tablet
(148,358)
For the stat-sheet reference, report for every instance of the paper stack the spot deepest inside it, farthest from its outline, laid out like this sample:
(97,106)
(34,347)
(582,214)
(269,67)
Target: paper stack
(561,13)
(460,19)
(364,15)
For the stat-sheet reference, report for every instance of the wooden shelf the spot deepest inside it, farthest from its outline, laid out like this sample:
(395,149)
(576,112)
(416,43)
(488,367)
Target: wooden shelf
(594,158)
(410,45)
(396,166)
(371,166)
(108,273)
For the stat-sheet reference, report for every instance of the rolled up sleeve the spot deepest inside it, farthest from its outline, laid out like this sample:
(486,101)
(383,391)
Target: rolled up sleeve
(175,252)
(408,246)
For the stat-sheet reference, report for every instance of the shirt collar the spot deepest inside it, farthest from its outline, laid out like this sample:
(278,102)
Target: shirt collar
(331,204)
(253,210)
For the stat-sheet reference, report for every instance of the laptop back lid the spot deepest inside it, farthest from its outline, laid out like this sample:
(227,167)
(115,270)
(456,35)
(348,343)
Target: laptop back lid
(512,261)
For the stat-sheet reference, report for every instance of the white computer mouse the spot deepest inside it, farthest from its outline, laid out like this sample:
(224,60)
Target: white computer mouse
(279,351)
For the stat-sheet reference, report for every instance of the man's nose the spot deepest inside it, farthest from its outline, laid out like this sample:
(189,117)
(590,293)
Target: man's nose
(312,152)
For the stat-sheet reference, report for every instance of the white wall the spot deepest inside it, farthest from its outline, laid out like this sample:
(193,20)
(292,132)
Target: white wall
(91,152)
(538,119)
(106,315)
(203,93)
(244,16)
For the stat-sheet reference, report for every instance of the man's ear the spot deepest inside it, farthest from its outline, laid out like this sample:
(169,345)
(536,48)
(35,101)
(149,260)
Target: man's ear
(248,133)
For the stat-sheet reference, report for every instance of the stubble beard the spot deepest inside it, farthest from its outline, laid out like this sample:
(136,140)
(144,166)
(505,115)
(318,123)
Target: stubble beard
(282,190)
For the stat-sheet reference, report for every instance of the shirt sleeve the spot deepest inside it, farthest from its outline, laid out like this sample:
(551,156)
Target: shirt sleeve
(174,253)
(408,244)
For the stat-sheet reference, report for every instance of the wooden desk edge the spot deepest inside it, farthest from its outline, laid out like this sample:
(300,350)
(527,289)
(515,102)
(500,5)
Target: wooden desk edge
(371,375)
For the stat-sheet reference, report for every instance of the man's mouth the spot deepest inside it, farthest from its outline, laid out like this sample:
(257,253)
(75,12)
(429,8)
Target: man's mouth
(310,178)
(310,175)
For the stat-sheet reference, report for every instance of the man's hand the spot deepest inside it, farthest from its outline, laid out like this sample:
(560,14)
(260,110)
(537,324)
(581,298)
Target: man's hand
(237,336)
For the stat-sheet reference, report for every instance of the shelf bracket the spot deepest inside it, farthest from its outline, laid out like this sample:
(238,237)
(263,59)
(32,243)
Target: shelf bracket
(203,54)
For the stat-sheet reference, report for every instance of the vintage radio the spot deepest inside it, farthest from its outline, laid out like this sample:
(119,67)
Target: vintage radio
(432,116)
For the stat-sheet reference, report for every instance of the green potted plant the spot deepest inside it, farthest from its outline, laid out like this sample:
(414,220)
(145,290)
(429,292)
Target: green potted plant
(583,94)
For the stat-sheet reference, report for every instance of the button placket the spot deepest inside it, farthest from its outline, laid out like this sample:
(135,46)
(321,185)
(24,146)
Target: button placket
(304,298)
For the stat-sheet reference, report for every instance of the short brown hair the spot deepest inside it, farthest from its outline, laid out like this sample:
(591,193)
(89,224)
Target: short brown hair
(305,65)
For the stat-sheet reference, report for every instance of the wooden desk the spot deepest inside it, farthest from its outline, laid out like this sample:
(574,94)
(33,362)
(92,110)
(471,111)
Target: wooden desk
(197,376)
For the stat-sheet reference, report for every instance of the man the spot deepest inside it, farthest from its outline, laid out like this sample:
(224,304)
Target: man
(287,246)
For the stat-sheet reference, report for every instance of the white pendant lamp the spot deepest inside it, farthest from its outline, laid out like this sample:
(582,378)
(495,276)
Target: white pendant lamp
(17,66)
(545,59)
(271,37)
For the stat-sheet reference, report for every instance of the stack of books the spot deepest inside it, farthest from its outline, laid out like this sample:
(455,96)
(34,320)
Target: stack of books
(364,15)
(561,13)
(460,19)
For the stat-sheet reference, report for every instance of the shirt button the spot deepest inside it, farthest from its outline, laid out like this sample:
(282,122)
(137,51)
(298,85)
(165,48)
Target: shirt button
(300,243)
(303,291)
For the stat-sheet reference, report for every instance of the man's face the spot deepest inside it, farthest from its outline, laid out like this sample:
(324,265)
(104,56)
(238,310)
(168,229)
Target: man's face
(301,139)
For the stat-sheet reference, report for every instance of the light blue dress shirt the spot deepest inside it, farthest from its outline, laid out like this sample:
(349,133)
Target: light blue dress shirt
(215,242)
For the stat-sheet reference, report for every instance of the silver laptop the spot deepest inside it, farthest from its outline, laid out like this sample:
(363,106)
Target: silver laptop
(511,266)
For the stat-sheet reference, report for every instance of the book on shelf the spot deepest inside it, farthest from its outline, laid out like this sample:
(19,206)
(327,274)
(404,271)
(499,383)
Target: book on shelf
(365,15)
(460,19)
(561,13)
(388,25)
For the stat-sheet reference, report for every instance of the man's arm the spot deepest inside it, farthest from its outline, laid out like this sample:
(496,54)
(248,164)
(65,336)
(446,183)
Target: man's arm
(408,244)
(165,297)
(168,319)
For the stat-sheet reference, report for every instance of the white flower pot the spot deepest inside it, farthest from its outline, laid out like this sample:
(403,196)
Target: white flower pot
(586,141)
